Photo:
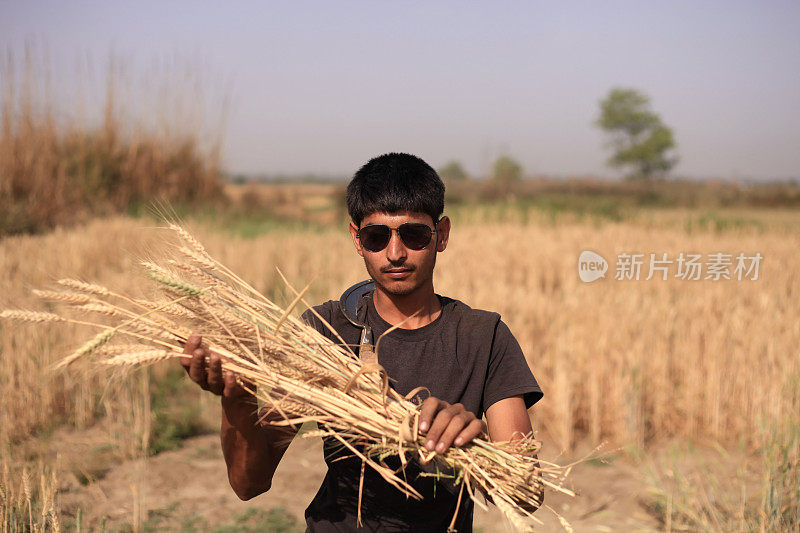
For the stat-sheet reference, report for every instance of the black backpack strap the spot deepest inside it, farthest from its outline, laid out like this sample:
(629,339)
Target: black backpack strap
(357,315)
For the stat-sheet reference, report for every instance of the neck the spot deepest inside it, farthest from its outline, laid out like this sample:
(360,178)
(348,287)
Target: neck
(396,309)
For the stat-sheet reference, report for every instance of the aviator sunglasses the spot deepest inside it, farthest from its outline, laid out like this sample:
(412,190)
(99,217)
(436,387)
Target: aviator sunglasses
(376,237)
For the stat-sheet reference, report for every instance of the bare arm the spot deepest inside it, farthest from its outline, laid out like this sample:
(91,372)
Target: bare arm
(508,420)
(252,451)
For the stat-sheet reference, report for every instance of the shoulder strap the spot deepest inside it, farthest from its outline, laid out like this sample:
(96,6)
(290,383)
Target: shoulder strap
(357,315)
(366,348)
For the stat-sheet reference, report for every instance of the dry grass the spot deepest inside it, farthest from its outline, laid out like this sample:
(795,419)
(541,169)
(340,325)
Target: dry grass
(59,168)
(582,192)
(724,493)
(319,203)
(28,500)
(641,360)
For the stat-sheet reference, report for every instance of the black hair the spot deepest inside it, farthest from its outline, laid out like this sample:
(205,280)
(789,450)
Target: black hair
(395,182)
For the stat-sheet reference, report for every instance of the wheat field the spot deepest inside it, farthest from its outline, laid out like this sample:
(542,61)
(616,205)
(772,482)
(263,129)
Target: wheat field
(619,361)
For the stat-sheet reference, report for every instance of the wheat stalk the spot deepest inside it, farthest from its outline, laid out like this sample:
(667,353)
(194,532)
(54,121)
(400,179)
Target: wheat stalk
(30,316)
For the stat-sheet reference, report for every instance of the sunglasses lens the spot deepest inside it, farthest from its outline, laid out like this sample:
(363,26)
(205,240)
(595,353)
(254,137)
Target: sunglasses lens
(415,236)
(375,238)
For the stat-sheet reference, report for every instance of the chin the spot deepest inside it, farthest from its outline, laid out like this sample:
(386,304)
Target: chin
(397,288)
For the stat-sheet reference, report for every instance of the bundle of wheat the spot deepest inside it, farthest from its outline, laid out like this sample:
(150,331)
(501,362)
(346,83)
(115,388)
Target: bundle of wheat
(293,370)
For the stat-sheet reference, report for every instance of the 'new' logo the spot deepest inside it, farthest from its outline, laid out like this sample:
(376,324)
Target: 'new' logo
(591,266)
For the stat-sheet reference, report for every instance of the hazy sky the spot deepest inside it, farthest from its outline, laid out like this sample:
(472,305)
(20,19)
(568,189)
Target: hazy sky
(323,86)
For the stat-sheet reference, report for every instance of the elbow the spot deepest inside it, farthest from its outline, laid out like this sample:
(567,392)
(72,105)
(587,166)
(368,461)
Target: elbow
(247,491)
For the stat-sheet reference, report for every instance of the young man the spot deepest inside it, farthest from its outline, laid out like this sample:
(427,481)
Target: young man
(467,358)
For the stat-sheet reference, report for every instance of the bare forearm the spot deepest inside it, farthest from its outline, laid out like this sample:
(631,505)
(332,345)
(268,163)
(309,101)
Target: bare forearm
(508,420)
(252,451)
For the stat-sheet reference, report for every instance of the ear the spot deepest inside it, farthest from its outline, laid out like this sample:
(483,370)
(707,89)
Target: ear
(356,242)
(443,234)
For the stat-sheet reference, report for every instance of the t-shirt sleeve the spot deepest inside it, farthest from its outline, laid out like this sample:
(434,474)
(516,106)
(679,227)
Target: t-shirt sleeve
(508,374)
(324,310)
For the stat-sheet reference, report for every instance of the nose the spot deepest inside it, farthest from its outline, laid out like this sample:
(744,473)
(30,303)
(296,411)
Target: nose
(396,251)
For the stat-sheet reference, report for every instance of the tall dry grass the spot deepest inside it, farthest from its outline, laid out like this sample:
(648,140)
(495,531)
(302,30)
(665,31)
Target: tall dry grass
(726,492)
(57,167)
(618,361)
(640,360)
(106,251)
(28,499)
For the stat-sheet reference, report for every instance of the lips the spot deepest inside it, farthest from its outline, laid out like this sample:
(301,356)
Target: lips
(398,272)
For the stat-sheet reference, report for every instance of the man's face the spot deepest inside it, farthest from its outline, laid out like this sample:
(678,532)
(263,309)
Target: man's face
(397,269)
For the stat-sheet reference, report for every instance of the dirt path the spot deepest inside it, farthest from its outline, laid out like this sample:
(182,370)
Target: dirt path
(187,490)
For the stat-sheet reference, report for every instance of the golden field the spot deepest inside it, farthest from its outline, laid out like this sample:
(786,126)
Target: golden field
(623,362)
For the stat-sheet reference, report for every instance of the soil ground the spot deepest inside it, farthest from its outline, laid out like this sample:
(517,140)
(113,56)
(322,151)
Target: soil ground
(186,489)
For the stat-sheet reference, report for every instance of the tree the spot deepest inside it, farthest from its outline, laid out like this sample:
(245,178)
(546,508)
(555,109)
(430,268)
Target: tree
(640,140)
(506,171)
(453,172)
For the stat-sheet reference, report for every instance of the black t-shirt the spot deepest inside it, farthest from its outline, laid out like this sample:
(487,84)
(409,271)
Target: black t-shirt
(466,356)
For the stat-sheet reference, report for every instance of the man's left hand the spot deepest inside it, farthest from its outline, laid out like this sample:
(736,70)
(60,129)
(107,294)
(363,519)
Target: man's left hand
(444,424)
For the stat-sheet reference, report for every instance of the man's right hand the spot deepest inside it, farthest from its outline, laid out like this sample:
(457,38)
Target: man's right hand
(252,451)
(205,369)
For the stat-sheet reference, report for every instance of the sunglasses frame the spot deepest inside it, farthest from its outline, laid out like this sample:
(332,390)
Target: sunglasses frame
(397,229)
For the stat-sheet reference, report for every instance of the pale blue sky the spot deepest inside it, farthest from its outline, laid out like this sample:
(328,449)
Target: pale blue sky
(323,86)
